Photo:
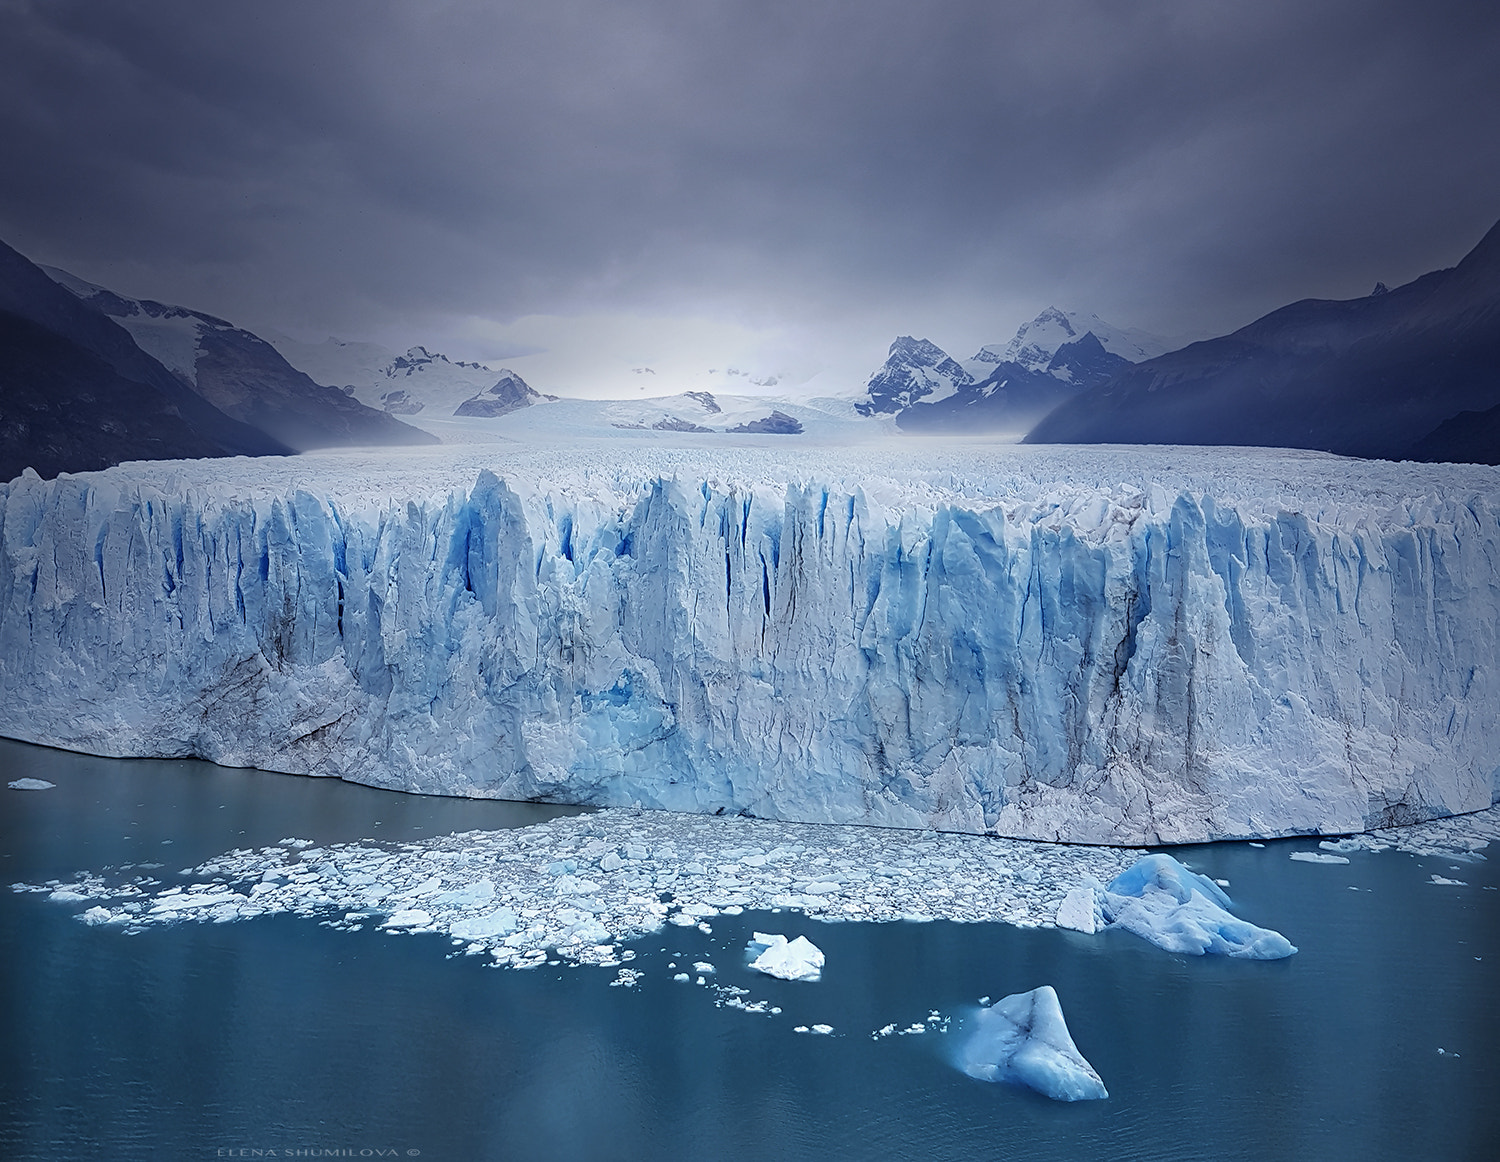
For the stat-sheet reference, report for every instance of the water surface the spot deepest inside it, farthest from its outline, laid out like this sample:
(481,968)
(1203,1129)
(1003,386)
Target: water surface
(201,1040)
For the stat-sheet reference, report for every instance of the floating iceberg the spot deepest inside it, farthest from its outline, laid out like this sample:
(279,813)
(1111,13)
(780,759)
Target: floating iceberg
(1161,901)
(1098,646)
(775,955)
(30,785)
(1023,1039)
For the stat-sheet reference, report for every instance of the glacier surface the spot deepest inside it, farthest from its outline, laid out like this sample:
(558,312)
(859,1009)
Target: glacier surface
(1091,645)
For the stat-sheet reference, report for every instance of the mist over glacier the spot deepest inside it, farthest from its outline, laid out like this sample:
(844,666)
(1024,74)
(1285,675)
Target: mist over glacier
(1114,646)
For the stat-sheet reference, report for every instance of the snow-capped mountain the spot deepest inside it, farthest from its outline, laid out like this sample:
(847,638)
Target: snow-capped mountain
(915,370)
(1004,387)
(241,374)
(509,393)
(418,380)
(1035,343)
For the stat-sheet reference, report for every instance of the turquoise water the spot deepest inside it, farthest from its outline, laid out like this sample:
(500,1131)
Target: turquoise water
(283,1037)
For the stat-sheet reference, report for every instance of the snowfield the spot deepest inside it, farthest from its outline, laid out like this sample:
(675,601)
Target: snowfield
(1118,646)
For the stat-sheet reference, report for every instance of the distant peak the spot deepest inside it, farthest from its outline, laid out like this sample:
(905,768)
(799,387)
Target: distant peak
(923,351)
(1380,289)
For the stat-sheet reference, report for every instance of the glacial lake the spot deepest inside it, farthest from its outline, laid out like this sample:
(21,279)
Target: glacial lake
(278,1037)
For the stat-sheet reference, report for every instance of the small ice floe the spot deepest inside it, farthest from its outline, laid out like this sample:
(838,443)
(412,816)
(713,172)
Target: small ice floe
(498,922)
(1022,1039)
(30,785)
(1437,879)
(1181,911)
(408,918)
(1254,844)
(1317,857)
(775,955)
(820,1030)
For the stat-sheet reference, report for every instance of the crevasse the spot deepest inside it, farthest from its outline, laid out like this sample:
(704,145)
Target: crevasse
(1098,663)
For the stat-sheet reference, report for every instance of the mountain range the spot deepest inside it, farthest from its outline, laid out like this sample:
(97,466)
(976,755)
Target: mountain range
(1410,373)
(416,381)
(1002,387)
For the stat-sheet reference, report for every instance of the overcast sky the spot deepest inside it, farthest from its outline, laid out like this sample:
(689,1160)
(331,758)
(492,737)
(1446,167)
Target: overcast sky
(607,183)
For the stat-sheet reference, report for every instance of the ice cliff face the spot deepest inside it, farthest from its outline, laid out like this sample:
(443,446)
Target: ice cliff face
(1017,643)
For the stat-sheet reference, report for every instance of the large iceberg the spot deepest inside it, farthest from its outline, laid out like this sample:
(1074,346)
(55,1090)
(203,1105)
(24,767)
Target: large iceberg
(1177,909)
(1120,646)
(1023,1039)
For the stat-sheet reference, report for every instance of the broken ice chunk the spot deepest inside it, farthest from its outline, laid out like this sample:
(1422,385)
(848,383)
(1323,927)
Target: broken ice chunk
(499,922)
(774,955)
(1080,910)
(1161,901)
(1023,1039)
(408,918)
(30,785)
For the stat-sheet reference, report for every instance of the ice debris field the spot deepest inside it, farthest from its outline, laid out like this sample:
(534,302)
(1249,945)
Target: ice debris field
(578,890)
(1085,645)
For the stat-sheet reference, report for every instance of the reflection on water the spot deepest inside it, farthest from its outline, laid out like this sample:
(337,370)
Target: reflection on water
(278,1034)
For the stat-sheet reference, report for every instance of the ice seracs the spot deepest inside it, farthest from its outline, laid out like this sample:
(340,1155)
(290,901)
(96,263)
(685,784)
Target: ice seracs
(1096,646)
(1181,911)
(775,955)
(1023,1039)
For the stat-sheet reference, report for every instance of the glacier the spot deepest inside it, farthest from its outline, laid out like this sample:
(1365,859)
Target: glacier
(1117,646)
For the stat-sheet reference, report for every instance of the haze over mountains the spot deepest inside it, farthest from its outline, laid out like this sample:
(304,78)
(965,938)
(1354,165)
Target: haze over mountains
(89,377)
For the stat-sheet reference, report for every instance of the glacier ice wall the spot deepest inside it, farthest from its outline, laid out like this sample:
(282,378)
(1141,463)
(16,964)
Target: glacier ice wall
(1097,663)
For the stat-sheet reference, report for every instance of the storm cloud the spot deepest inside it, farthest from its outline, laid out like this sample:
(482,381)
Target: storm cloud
(848,168)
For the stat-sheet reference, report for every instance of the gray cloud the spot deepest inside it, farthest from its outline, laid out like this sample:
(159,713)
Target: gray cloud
(347,166)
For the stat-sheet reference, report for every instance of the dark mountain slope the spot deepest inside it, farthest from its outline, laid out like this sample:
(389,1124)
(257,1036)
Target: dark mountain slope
(245,377)
(28,295)
(1385,376)
(65,409)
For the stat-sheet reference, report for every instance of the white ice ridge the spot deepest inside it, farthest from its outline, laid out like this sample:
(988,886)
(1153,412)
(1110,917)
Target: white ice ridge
(581,886)
(1023,1039)
(1114,646)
